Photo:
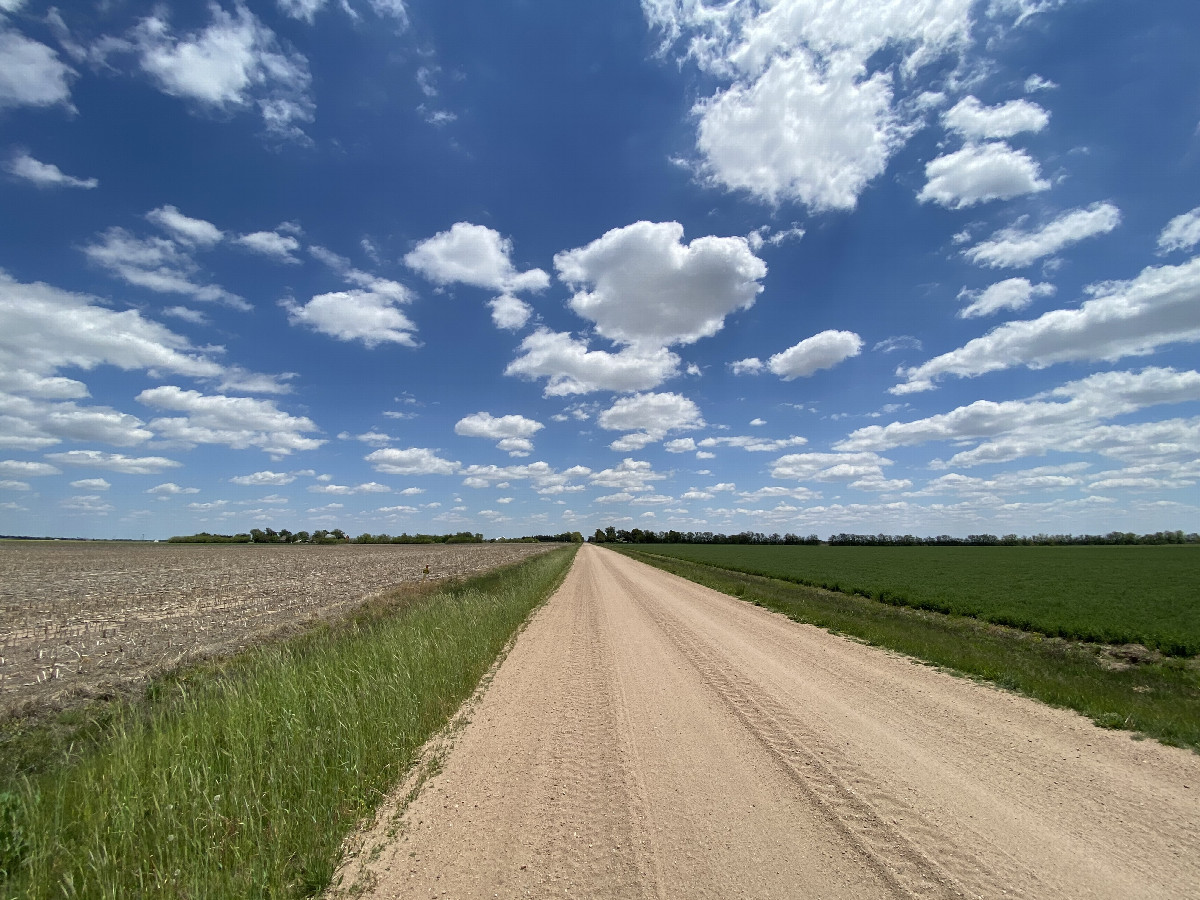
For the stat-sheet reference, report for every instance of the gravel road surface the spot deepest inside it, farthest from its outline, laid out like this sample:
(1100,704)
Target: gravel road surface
(648,737)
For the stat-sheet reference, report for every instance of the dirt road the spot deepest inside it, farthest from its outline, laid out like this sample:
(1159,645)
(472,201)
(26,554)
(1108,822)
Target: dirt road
(648,737)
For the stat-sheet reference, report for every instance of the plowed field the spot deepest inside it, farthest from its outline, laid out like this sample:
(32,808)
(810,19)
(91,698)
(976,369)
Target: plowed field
(82,619)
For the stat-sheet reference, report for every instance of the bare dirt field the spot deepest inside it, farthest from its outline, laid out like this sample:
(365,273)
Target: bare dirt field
(83,619)
(648,737)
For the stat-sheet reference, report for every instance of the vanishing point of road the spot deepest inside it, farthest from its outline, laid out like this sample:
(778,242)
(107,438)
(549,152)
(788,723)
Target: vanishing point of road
(648,737)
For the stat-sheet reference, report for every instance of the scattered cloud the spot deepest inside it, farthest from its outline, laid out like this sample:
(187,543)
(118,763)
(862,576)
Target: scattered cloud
(358,314)
(509,312)
(45,174)
(237,422)
(571,368)
(184,228)
(413,461)
(157,264)
(512,432)
(31,74)
(650,417)
(235,62)
(1015,248)
(1181,233)
(257,479)
(630,476)
(1122,318)
(474,255)
(1010,294)
(116,462)
(974,121)
(171,489)
(278,247)
(841,466)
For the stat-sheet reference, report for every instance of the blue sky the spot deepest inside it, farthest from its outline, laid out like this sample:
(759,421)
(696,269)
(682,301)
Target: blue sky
(801,266)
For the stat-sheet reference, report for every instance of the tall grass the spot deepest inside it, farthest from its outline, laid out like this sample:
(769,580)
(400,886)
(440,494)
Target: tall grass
(242,779)
(1160,699)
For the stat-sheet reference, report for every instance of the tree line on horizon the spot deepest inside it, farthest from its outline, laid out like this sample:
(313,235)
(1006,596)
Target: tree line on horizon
(337,536)
(611,535)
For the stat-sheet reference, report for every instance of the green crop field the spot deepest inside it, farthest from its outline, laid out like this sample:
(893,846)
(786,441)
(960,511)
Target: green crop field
(1144,594)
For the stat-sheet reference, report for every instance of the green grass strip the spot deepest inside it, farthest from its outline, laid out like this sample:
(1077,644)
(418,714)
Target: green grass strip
(241,779)
(1157,699)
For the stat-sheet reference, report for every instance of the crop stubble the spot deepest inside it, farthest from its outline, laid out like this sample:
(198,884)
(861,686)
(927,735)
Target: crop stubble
(81,620)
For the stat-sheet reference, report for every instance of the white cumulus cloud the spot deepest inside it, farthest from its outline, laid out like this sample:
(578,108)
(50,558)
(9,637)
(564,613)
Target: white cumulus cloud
(571,368)
(413,461)
(973,120)
(978,173)
(370,316)
(641,284)
(821,351)
(278,247)
(235,62)
(512,432)
(475,255)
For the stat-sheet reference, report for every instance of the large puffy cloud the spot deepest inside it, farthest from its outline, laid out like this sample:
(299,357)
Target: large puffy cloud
(512,433)
(237,422)
(31,74)
(641,284)
(816,134)
(46,174)
(1012,293)
(413,461)
(1015,248)
(803,119)
(370,315)
(1122,318)
(978,173)
(973,120)
(571,368)
(475,255)
(235,61)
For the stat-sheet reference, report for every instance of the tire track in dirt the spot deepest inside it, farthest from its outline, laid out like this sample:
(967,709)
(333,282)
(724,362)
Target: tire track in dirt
(648,737)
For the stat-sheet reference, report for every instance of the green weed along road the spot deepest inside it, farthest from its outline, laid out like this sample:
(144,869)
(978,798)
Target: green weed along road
(1148,595)
(243,781)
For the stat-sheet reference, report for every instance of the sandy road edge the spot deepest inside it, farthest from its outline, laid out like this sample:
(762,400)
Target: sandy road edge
(353,876)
